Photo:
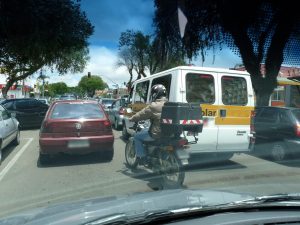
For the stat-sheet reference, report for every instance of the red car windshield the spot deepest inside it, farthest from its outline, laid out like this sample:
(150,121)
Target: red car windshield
(77,111)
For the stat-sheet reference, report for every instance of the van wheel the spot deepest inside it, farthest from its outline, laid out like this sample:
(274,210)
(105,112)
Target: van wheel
(278,151)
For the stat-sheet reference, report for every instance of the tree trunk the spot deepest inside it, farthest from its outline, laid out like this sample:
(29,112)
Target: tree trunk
(6,88)
(262,98)
(263,88)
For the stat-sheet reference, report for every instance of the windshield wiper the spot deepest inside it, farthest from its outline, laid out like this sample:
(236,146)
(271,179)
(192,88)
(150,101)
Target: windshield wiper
(146,217)
(151,216)
(276,198)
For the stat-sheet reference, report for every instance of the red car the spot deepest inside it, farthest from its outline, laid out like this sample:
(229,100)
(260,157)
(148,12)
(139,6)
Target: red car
(75,127)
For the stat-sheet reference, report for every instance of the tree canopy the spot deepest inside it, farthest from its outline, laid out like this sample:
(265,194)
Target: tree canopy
(140,53)
(260,31)
(90,84)
(58,88)
(42,33)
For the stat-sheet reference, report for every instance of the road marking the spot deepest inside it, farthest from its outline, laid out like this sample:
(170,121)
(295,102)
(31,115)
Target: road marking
(14,159)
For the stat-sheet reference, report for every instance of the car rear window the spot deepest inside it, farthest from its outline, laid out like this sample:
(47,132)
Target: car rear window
(77,111)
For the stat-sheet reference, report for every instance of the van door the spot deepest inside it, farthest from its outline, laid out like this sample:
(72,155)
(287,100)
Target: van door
(236,104)
(201,88)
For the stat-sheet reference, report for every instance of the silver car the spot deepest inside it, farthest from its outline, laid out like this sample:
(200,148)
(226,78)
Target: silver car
(9,130)
(116,113)
(106,103)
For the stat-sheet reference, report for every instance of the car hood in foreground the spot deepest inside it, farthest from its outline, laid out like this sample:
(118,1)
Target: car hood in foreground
(137,204)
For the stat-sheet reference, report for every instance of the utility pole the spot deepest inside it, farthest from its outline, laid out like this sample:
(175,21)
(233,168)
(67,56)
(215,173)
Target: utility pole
(43,77)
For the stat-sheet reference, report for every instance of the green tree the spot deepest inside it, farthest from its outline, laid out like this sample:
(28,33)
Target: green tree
(260,31)
(140,52)
(58,88)
(90,84)
(42,33)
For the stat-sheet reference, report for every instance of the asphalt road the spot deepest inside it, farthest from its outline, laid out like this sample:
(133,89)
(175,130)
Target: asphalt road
(25,184)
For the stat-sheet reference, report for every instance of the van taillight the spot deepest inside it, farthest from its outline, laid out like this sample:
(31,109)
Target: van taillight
(297,129)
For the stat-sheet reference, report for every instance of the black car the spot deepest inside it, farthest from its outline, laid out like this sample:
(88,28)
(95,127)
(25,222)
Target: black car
(276,132)
(29,112)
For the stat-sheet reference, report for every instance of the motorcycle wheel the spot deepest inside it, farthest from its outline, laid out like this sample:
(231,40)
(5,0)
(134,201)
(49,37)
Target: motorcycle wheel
(171,170)
(130,154)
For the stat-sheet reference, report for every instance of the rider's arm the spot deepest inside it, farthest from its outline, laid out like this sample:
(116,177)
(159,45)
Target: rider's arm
(144,114)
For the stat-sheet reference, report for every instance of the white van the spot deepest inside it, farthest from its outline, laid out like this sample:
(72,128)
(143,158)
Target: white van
(226,97)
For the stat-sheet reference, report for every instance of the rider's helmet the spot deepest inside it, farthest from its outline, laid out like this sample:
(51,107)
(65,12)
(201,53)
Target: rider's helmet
(158,91)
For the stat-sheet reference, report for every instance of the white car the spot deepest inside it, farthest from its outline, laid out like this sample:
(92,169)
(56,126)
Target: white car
(9,130)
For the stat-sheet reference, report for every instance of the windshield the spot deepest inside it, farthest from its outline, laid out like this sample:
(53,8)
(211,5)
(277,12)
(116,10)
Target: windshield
(104,99)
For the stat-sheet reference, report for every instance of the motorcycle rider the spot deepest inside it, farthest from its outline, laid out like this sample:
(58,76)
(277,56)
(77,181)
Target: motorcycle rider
(152,112)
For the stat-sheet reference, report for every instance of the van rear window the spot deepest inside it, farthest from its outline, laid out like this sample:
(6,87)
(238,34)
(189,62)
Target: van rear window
(200,88)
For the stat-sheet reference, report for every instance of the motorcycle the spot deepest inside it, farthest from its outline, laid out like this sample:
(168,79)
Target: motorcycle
(166,157)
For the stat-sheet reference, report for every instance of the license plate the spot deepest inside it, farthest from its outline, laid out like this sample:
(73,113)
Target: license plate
(78,144)
(190,133)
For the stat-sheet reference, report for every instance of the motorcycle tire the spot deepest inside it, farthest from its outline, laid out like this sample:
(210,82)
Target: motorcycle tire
(171,170)
(130,154)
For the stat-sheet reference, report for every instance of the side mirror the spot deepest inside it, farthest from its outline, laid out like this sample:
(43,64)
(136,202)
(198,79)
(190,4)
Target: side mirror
(13,114)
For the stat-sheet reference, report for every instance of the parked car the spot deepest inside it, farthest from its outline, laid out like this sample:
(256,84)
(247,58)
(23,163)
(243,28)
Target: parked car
(75,127)
(106,103)
(44,100)
(116,113)
(9,130)
(276,132)
(28,111)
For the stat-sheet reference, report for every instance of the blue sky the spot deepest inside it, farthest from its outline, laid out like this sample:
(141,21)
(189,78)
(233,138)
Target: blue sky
(110,18)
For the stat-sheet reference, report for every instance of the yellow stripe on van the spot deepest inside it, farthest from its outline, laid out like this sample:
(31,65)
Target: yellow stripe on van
(235,115)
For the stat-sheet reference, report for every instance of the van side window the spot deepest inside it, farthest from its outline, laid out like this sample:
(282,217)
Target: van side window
(234,90)
(200,88)
(141,92)
(164,80)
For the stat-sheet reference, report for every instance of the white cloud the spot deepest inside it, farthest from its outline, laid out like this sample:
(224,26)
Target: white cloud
(102,62)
